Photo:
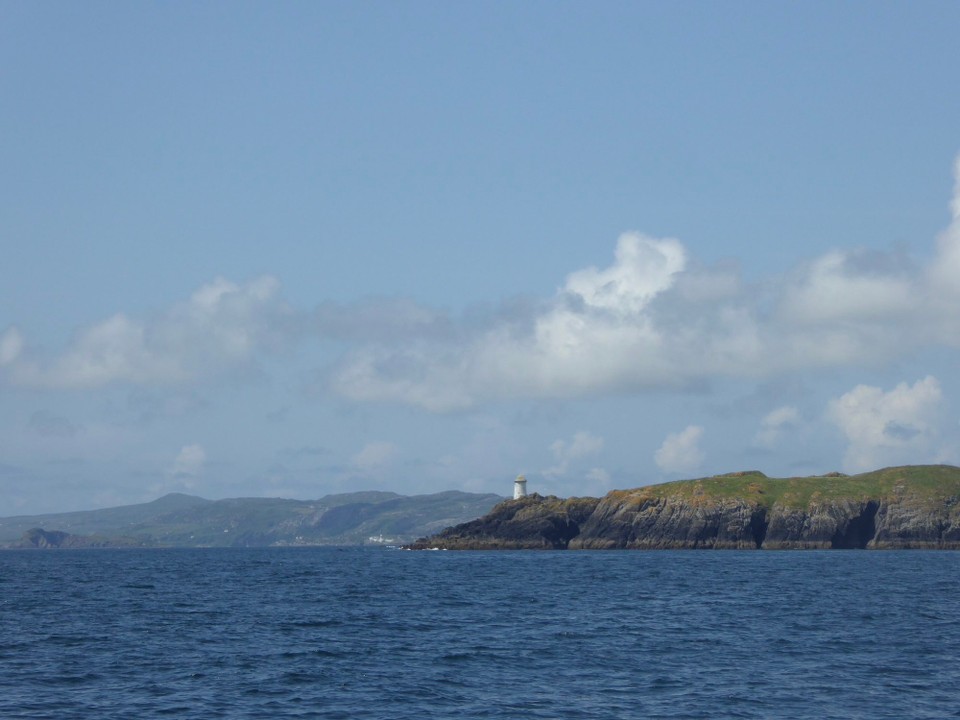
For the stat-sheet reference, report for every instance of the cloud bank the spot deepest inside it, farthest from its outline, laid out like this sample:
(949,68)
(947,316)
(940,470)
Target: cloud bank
(775,425)
(188,464)
(889,428)
(221,326)
(583,444)
(680,452)
(652,319)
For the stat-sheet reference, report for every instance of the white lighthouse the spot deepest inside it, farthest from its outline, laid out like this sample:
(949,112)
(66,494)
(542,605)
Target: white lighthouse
(519,487)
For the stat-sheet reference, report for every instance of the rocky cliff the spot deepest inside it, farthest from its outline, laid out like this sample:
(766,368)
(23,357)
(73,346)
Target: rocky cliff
(903,507)
(45,539)
(530,523)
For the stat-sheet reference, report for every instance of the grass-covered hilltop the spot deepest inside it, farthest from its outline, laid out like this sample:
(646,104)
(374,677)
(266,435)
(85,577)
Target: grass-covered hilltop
(916,506)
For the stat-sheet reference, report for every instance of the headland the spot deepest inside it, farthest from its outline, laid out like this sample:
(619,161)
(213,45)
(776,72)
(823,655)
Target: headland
(915,506)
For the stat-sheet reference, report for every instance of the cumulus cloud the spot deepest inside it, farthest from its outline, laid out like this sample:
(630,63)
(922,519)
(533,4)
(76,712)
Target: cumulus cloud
(598,482)
(945,270)
(850,287)
(849,307)
(643,268)
(680,452)
(886,428)
(775,424)
(565,452)
(655,319)
(11,344)
(594,335)
(652,319)
(375,455)
(599,476)
(220,326)
(184,473)
(189,462)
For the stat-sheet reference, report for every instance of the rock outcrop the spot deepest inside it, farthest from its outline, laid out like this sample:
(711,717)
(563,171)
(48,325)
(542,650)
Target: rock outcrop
(641,522)
(533,522)
(905,507)
(51,539)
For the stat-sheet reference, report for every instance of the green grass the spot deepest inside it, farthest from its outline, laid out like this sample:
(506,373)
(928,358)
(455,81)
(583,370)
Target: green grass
(919,482)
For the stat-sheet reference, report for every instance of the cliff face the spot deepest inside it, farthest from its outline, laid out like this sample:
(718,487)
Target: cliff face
(530,523)
(671,522)
(909,507)
(47,539)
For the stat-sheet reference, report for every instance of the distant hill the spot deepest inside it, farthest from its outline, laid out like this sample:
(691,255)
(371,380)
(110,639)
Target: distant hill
(179,520)
(915,506)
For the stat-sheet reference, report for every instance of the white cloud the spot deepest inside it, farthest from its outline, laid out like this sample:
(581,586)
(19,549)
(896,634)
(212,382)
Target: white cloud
(411,375)
(680,452)
(184,473)
(849,287)
(654,319)
(643,268)
(375,455)
(849,308)
(565,452)
(599,476)
(11,344)
(221,326)
(585,482)
(189,462)
(593,336)
(887,428)
(775,424)
(598,482)
(945,271)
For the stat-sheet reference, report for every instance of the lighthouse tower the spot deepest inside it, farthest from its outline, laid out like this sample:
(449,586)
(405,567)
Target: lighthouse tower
(519,487)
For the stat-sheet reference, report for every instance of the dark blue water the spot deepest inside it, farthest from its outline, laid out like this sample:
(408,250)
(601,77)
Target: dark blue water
(322,633)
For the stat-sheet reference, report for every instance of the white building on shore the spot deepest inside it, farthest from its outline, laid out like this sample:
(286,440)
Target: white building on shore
(519,487)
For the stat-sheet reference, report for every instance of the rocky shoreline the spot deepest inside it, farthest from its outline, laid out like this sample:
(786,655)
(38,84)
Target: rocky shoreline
(911,507)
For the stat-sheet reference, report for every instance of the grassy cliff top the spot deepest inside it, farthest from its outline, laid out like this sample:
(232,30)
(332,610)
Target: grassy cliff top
(933,482)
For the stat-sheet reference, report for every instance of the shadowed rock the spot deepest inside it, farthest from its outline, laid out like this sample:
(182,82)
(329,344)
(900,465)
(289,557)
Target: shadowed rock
(533,522)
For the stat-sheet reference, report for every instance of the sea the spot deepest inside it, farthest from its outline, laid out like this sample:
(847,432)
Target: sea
(389,634)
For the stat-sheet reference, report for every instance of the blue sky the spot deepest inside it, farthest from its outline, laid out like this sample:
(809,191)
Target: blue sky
(290,249)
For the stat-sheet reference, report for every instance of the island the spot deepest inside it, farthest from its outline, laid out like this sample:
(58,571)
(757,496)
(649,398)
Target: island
(909,507)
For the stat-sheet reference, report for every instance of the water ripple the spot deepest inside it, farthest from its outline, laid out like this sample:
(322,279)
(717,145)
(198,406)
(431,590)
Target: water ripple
(364,634)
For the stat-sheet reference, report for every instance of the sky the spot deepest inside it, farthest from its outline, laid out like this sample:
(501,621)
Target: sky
(293,249)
